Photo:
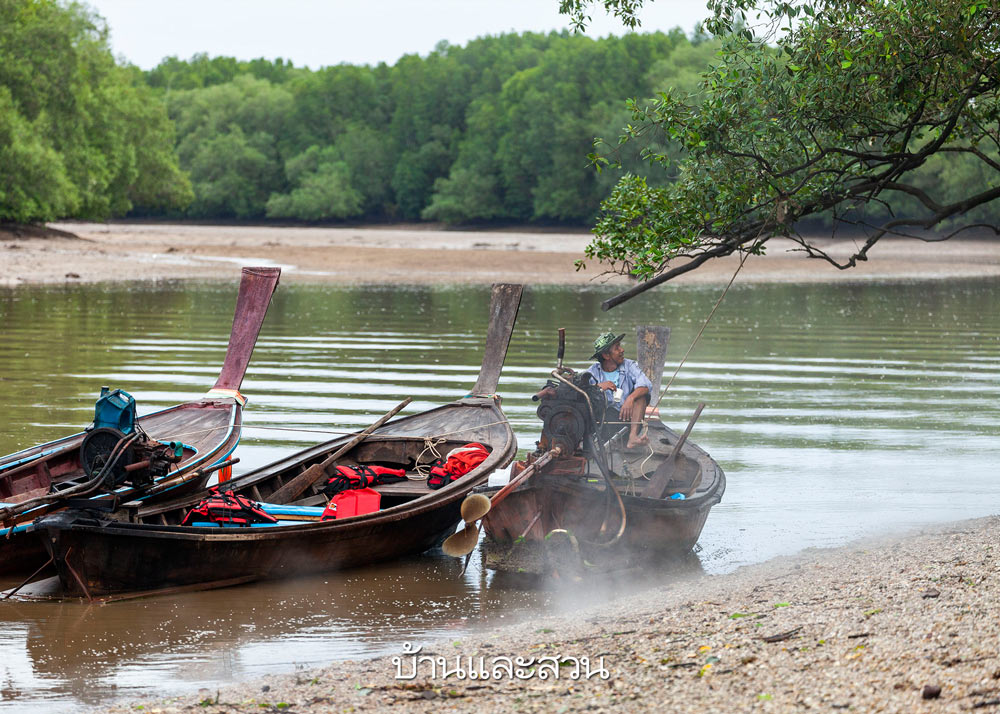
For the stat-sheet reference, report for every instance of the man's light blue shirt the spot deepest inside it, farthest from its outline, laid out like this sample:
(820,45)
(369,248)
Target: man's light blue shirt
(631,377)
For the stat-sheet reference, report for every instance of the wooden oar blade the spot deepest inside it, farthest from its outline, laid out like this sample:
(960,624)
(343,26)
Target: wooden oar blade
(662,477)
(504,303)
(474,507)
(256,287)
(461,543)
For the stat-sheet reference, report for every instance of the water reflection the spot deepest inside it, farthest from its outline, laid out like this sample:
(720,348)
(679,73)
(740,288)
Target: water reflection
(837,411)
(199,638)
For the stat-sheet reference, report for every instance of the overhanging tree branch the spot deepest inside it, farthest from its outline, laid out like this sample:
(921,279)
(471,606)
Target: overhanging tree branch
(847,115)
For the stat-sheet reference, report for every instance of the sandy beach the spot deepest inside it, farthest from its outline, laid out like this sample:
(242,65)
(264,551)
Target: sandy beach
(909,623)
(98,252)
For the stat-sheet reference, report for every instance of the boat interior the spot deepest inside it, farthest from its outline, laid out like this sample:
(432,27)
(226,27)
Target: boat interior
(413,455)
(633,468)
(41,471)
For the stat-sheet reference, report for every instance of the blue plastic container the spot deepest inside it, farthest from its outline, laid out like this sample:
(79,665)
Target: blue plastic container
(115,410)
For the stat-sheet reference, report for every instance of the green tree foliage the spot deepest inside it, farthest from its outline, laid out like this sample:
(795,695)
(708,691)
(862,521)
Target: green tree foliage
(231,144)
(879,114)
(33,180)
(322,188)
(203,71)
(496,130)
(79,135)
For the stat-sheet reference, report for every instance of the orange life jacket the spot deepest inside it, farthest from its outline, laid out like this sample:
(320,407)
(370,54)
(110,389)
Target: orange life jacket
(460,461)
(226,508)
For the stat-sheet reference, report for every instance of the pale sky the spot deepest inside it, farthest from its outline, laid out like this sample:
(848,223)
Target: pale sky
(318,33)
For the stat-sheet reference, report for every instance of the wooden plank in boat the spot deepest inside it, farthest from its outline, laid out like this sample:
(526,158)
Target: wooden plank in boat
(404,488)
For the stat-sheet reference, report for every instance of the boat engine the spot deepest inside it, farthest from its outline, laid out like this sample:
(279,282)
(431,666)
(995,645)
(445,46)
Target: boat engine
(566,417)
(118,448)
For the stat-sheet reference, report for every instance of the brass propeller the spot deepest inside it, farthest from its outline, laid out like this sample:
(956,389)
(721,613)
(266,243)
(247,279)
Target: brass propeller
(476,505)
(463,542)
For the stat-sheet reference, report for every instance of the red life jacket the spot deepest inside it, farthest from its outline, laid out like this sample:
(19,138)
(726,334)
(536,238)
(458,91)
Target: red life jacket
(460,461)
(354,502)
(227,508)
(350,477)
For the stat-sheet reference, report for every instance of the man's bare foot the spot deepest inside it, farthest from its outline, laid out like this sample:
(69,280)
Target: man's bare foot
(637,440)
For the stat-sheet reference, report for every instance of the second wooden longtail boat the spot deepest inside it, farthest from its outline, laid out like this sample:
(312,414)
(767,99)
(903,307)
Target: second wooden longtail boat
(121,457)
(598,505)
(149,551)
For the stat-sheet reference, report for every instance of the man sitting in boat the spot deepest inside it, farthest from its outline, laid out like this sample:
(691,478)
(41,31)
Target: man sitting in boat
(624,384)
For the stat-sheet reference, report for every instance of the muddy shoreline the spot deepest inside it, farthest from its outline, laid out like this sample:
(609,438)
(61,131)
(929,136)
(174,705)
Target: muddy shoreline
(890,625)
(419,255)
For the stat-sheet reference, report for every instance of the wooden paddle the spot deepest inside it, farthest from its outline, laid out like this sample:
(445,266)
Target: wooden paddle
(658,482)
(297,486)
(463,542)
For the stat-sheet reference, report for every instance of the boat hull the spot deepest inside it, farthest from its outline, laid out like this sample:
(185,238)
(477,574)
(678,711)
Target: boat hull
(654,529)
(124,557)
(580,511)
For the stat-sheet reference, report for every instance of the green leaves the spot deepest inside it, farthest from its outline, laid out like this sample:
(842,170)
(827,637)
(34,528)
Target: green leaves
(841,118)
(322,189)
(78,136)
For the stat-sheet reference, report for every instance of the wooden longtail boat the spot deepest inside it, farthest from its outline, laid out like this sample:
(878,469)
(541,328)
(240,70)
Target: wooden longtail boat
(97,557)
(568,517)
(203,432)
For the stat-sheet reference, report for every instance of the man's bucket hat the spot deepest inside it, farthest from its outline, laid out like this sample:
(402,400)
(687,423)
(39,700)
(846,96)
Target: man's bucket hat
(605,342)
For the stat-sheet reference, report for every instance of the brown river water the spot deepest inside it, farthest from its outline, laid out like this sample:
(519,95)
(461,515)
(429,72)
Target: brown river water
(837,411)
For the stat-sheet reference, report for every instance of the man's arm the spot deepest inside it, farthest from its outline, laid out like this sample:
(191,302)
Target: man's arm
(640,392)
(639,377)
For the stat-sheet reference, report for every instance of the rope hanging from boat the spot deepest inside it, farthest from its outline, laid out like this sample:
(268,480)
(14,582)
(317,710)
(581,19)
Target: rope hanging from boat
(423,471)
(663,392)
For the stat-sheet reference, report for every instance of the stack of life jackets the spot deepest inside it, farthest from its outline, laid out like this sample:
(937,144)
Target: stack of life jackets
(350,492)
(349,477)
(459,462)
(228,509)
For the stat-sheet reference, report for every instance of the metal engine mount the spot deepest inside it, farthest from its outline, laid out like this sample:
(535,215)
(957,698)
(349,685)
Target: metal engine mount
(566,418)
(135,460)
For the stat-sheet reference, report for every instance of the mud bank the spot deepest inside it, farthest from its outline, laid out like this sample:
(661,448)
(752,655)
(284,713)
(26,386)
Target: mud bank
(418,255)
(902,624)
